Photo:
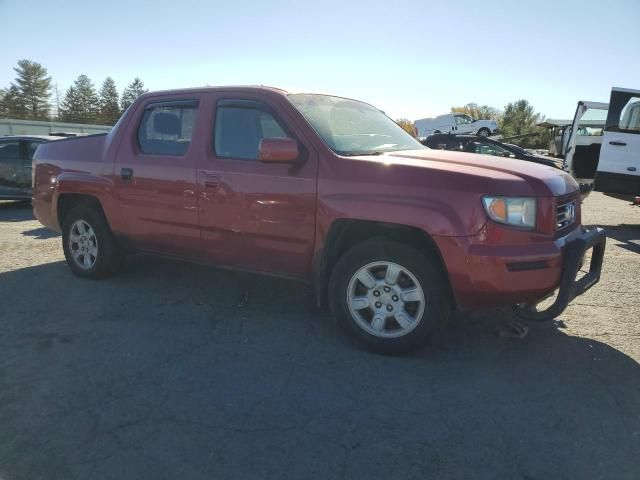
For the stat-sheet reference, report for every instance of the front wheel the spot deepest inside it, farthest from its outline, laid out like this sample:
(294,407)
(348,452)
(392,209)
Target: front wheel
(484,132)
(88,244)
(388,296)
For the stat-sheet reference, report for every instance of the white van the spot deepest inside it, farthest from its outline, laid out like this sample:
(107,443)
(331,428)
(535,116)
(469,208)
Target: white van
(455,123)
(611,165)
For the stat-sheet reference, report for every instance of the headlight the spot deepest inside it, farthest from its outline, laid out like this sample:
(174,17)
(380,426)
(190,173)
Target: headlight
(519,212)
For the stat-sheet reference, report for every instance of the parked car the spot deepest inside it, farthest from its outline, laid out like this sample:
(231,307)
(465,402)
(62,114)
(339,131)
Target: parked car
(322,189)
(609,162)
(486,146)
(16,154)
(455,123)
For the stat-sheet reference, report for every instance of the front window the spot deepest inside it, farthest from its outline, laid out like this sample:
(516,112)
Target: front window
(241,125)
(624,113)
(463,119)
(350,127)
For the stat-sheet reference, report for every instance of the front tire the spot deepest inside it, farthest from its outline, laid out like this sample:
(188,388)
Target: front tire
(88,244)
(484,132)
(389,297)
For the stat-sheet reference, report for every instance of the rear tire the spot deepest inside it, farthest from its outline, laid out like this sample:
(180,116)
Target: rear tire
(88,244)
(388,297)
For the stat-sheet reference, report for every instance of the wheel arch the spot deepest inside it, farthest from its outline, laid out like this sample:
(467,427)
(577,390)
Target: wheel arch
(68,201)
(343,234)
(72,188)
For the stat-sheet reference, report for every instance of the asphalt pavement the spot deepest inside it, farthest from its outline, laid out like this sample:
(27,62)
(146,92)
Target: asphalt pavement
(172,370)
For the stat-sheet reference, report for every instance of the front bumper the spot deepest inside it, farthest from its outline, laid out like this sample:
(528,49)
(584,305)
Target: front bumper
(484,274)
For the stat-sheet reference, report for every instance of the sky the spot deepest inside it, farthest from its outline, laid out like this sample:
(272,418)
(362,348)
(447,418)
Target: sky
(410,59)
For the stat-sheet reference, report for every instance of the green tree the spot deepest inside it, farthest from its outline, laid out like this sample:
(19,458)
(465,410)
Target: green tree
(131,92)
(34,87)
(478,112)
(13,103)
(407,126)
(109,102)
(518,120)
(81,102)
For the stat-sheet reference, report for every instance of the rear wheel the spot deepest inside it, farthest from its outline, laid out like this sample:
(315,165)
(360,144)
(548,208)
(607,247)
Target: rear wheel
(388,296)
(88,244)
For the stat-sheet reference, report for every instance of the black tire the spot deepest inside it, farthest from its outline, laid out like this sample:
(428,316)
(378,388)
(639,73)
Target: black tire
(109,254)
(484,132)
(437,301)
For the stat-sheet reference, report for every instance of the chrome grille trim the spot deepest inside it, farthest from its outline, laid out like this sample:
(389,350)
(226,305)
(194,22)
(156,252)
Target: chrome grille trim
(565,215)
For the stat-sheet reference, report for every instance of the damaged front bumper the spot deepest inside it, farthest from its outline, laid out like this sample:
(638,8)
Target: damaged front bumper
(571,286)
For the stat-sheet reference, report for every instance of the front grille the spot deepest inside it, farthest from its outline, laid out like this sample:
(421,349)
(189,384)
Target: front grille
(565,215)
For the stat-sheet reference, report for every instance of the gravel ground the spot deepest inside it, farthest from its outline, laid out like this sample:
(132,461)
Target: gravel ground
(178,371)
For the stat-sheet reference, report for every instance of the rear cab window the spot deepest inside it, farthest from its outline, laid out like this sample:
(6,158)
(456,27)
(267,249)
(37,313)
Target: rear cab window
(166,128)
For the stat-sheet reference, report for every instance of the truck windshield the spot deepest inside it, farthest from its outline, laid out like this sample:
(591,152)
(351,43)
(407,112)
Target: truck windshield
(352,128)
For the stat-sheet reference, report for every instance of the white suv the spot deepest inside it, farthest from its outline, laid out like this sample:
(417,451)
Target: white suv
(455,123)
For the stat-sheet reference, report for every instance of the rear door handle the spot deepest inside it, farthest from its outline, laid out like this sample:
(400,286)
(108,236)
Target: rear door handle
(619,144)
(126,173)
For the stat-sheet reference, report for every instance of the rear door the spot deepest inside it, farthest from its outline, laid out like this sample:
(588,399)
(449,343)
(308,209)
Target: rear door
(155,174)
(256,216)
(11,171)
(619,165)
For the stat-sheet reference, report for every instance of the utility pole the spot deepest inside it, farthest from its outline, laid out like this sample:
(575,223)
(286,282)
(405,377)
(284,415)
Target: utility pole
(57,117)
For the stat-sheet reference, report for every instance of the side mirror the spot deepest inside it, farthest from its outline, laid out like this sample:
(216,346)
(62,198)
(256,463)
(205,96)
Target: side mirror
(278,150)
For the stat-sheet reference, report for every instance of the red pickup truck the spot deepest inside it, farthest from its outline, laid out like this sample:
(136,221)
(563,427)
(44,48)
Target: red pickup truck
(326,190)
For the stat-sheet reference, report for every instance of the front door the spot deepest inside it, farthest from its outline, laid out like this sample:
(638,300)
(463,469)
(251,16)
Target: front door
(155,174)
(464,124)
(619,165)
(256,216)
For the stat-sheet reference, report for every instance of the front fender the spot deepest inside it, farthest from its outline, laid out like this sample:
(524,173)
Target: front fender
(435,217)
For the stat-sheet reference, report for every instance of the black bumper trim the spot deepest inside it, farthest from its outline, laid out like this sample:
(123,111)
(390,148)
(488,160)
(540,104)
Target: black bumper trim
(570,288)
(524,266)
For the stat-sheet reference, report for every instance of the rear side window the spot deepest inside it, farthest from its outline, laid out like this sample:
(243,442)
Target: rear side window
(624,113)
(167,128)
(9,150)
(239,127)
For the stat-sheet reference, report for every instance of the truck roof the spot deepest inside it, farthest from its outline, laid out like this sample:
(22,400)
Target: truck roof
(32,137)
(243,88)
(218,89)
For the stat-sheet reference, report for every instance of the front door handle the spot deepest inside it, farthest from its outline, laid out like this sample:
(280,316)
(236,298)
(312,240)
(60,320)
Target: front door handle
(619,144)
(631,169)
(126,173)
(211,179)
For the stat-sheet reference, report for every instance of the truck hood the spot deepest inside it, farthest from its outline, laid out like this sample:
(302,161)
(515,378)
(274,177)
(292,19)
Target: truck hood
(543,180)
